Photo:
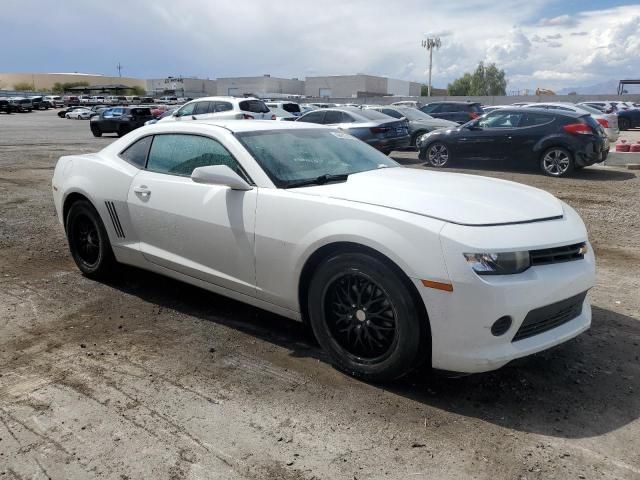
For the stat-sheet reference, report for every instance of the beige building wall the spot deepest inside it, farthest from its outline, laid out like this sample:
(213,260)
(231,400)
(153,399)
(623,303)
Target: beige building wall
(47,80)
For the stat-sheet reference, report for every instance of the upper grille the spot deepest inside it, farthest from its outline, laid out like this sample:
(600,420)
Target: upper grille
(551,316)
(565,253)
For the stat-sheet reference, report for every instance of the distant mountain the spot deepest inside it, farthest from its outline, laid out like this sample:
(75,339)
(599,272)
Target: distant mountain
(610,87)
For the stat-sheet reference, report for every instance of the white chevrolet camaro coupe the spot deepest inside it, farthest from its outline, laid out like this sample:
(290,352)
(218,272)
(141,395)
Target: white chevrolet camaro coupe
(392,267)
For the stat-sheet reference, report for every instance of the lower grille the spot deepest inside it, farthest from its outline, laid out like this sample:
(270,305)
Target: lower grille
(551,316)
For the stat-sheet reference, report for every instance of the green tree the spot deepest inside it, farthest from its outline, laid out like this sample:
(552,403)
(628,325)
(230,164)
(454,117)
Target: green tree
(63,87)
(484,81)
(460,86)
(137,90)
(24,87)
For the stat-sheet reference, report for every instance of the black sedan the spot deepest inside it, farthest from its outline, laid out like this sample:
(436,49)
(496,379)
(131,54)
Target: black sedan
(119,120)
(559,141)
(377,129)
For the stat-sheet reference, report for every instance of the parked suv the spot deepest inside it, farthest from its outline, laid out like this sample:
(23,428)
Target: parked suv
(560,141)
(40,103)
(229,108)
(459,112)
(120,120)
(6,106)
(21,104)
(292,107)
(55,101)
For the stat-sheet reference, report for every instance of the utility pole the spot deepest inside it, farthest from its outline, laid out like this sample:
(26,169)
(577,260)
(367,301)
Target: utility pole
(119,67)
(431,43)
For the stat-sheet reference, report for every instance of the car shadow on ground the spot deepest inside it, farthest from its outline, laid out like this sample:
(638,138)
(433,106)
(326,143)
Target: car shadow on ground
(586,387)
(470,166)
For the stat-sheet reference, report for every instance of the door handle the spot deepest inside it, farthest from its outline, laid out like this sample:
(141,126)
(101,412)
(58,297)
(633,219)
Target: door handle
(142,191)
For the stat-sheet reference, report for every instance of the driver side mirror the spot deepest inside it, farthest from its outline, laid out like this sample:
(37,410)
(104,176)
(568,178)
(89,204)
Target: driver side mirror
(219,175)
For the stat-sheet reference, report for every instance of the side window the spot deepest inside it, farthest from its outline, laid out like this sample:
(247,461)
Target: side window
(313,117)
(253,106)
(178,154)
(332,117)
(117,112)
(201,108)
(187,110)
(137,153)
(501,120)
(391,113)
(223,106)
(433,108)
(533,119)
(346,118)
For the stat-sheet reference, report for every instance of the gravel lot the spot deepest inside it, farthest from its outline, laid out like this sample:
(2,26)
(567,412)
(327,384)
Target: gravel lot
(150,378)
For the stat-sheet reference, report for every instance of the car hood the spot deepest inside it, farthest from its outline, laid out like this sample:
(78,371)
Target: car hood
(451,197)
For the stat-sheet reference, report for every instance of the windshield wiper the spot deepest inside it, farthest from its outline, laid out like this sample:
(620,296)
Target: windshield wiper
(321,180)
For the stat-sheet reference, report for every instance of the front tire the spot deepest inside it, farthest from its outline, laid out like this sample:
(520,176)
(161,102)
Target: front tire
(88,241)
(96,132)
(438,155)
(624,124)
(363,315)
(556,162)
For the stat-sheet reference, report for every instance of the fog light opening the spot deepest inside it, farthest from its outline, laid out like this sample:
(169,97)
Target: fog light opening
(501,326)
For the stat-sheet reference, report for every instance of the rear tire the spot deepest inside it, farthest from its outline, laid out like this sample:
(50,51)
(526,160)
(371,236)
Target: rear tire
(624,124)
(88,241)
(415,136)
(557,162)
(122,131)
(364,316)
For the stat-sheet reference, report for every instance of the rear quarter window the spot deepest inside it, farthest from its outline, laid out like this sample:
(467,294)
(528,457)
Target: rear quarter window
(253,106)
(137,153)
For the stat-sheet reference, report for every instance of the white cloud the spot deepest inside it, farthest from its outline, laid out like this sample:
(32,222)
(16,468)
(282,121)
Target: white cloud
(294,38)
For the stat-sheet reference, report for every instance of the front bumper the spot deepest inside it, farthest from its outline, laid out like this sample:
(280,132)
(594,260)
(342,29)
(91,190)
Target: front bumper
(461,320)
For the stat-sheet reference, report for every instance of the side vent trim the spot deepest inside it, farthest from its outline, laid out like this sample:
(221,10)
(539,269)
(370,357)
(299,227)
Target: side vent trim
(115,220)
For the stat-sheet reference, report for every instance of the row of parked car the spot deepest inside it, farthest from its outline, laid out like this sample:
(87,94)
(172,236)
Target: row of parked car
(26,104)
(560,137)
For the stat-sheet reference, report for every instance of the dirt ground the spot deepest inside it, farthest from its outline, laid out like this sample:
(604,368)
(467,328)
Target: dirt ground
(149,378)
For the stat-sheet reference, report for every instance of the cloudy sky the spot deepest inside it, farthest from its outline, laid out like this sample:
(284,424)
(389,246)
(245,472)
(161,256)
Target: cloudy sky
(540,43)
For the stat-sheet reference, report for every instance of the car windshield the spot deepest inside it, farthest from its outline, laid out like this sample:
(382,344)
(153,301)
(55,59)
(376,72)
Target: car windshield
(414,113)
(290,156)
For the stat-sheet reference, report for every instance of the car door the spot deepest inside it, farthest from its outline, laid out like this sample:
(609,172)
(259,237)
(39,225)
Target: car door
(107,121)
(532,128)
(204,231)
(489,137)
(312,117)
(185,113)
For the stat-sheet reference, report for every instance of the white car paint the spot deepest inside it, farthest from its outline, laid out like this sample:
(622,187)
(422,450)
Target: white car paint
(252,245)
(79,114)
(232,110)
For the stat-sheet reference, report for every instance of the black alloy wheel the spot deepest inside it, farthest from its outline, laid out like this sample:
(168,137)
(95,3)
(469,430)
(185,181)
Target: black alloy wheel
(88,240)
(360,316)
(364,315)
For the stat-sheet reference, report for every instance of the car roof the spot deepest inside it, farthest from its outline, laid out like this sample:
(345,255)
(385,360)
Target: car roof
(565,113)
(457,102)
(238,126)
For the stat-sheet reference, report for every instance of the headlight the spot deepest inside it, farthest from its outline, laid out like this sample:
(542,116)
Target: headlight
(421,139)
(498,263)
